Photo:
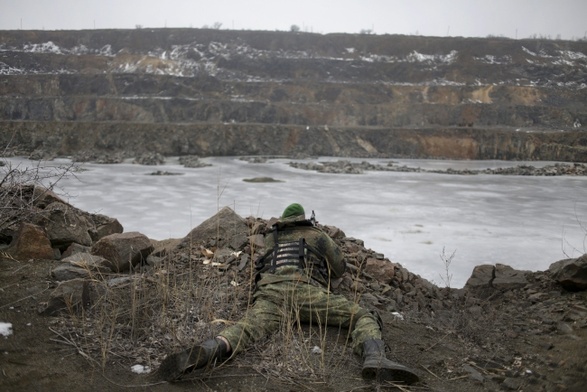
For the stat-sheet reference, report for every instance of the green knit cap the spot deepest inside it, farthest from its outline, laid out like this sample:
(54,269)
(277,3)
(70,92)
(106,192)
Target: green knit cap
(292,211)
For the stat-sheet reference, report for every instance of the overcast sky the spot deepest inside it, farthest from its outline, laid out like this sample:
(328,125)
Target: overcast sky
(566,19)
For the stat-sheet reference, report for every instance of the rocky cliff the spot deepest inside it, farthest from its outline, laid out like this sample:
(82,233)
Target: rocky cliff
(219,92)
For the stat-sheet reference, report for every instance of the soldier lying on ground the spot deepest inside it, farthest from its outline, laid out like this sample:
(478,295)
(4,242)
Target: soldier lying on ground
(295,272)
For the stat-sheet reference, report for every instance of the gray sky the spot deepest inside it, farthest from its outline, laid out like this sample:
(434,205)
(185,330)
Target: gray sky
(566,19)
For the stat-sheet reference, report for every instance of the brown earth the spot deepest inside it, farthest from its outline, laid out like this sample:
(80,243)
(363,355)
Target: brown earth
(532,338)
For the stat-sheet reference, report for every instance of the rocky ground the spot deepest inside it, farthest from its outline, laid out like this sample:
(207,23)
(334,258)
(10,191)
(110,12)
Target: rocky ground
(348,167)
(87,327)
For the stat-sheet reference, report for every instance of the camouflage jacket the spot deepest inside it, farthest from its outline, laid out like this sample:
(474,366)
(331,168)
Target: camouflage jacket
(325,263)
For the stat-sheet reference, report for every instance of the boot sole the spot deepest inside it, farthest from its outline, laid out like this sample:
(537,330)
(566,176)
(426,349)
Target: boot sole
(396,375)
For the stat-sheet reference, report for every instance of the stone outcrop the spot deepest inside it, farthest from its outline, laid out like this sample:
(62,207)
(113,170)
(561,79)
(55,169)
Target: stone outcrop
(229,243)
(571,273)
(500,277)
(61,223)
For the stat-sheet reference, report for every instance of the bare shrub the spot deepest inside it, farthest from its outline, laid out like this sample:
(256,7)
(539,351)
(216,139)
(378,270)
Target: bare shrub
(24,187)
(447,261)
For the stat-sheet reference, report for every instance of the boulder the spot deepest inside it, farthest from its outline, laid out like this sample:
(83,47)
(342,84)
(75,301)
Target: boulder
(75,248)
(123,251)
(103,226)
(507,278)
(31,242)
(257,241)
(42,197)
(571,273)
(227,229)
(81,265)
(380,269)
(499,277)
(64,225)
(481,277)
(66,271)
(72,296)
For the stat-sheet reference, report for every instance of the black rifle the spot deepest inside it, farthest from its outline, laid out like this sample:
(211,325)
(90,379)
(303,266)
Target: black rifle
(313,218)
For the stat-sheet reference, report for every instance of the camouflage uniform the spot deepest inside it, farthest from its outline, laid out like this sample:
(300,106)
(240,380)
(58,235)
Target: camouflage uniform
(305,293)
(294,280)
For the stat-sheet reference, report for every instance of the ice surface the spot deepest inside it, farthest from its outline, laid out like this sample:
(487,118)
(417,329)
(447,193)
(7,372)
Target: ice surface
(412,218)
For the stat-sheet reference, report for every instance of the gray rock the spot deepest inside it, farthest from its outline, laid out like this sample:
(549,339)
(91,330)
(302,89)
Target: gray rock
(81,265)
(149,158)
(65,224)
(571,273)
(71,296)
(104,226)
(123,251)
(370,299)
(88,261)
(75,248)
(226,227)
(192,161)
(474,374)
(65,271)
(257,241)
(500,277)
(512,384)
(481,277)
(507,278)
(43,197)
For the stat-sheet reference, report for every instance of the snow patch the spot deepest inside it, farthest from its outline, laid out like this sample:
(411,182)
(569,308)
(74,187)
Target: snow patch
(47,47)
(490,59)
(573,55)
(140,369)
(6,69)
(5,329)
(415,57)
(529,51)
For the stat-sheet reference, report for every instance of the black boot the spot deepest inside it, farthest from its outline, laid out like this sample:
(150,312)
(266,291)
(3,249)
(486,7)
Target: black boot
(377,366)
(197,357)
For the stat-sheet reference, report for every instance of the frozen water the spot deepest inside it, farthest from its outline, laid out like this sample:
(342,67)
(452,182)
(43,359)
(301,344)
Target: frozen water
(412,218)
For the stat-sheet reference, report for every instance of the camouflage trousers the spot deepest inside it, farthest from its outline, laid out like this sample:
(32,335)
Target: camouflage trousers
(279,302)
